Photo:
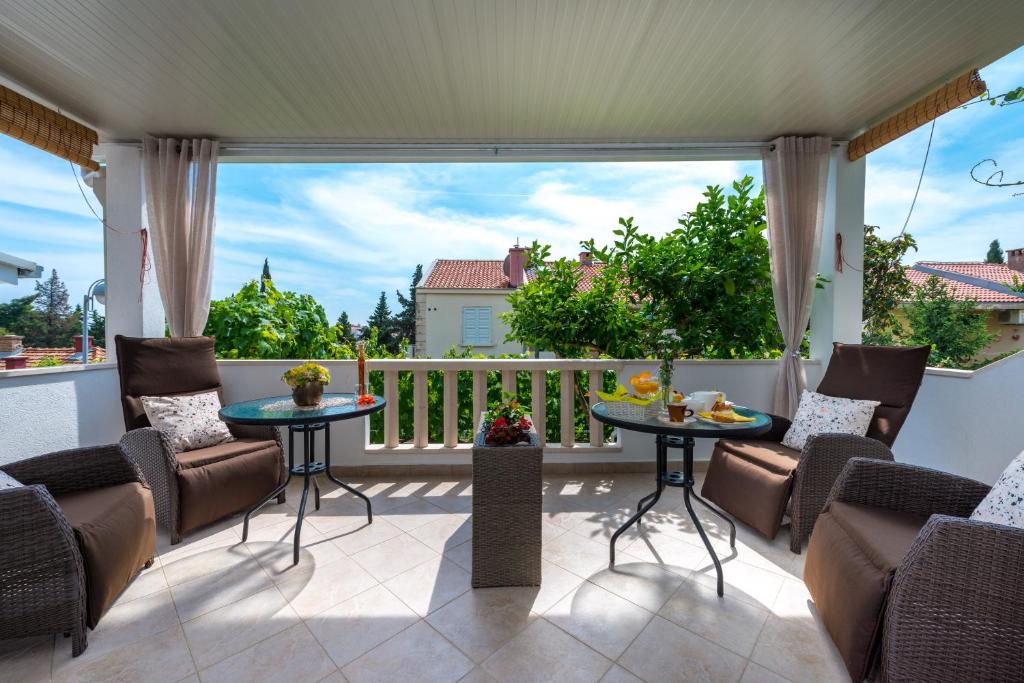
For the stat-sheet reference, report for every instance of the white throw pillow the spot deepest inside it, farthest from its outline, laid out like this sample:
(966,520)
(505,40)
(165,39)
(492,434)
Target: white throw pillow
(821,414)
(189,420)
(1004,504)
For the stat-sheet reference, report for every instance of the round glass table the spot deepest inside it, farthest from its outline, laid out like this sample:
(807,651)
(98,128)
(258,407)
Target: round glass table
(675,435)
(281,411)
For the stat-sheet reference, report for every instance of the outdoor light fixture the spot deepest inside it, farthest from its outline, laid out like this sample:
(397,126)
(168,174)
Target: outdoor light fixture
(97,292)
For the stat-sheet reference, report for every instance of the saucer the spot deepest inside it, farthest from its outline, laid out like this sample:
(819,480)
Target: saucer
(686,421)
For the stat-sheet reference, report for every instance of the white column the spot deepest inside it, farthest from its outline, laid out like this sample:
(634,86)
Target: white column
(838,308)
(133,307)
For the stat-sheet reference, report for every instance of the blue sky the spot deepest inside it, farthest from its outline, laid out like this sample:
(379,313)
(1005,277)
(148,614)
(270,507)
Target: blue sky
(345,232)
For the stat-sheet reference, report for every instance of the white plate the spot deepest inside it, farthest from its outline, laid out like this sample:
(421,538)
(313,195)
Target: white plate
(709,421)
(686,421)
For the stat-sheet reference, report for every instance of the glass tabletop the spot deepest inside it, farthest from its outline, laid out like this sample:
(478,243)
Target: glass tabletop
(281,410)
(695,428)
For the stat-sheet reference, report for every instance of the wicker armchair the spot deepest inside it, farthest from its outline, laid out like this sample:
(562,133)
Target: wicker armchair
(911,589)
(753,480)
(197,487)
(58,572)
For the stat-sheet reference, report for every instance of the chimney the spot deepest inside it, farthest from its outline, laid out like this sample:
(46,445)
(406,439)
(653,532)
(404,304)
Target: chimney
(1015,259)
(78,343)
(9,343)
(586,258)
(517,266)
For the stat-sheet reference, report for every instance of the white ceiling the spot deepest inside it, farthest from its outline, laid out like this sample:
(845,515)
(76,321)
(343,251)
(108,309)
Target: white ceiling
(492,70)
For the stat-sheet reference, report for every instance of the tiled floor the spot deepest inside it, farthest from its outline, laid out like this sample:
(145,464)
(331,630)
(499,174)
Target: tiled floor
(392,601)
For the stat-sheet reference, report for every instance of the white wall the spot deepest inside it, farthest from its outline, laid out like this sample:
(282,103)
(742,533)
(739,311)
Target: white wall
(442,311)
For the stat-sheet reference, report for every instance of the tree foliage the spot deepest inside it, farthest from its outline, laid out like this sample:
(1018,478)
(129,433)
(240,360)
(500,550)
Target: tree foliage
(995,253)
(954,328)
(886,286)
(405,320)
(344,329)
(385,325)
(53,322)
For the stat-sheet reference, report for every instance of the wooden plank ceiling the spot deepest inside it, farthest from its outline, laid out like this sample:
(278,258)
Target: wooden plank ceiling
(494,70)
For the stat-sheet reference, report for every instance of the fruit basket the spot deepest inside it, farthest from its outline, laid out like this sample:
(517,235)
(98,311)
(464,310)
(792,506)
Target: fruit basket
(642,405)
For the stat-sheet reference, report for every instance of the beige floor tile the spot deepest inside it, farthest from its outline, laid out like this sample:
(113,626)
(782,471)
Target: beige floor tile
(228,630)
(391,558)
(617,674)
(354,627)
(126,623)
(671,553)
(600,619)
(221,532)
(277,557)
(294,654)
(599,524)
(417,653)
(755,673)
(478,675)
(431,585)
(335,677)
(445,532)
(414,514)
(580,555)
(206,593)
(745,582)
(731,623)
(360,536)
(336,514)
(543,652)
(461,555)
(483,619)
(555,584)
(451,495)
(26,660)
(667,652)
(146,582)
(195,560)
(642,583)
(329,584)
(160,658)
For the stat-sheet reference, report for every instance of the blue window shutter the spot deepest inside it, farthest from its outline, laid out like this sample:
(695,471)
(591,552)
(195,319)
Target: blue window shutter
(476,326)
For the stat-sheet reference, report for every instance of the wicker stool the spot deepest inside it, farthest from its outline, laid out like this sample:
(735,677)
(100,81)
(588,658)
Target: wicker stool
(507,494)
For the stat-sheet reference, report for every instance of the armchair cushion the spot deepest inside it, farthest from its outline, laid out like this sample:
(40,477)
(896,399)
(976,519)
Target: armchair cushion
(752,480)
(115,528)
(201,457)
(821,414)
(227,486)
(1004,504)
(190,421)
(854,553)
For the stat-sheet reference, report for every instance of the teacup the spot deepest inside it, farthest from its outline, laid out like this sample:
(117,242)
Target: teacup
(702,401)
(677,412)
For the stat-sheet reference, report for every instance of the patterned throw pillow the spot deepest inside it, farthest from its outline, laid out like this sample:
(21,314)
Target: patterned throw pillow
(821,414)
(189,420)
(1004,504)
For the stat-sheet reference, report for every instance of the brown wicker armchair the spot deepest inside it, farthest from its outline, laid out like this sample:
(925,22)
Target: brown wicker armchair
(76,525)
(193,488)
(753,480)
(909,588)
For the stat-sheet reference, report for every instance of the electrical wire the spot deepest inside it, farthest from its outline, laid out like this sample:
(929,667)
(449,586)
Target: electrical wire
(924,164)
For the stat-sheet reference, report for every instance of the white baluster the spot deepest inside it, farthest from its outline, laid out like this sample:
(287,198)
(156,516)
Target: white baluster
(566,398)
(420,433)
(538,402)
(596,428)
(479,396)
(451,408)
(391,408)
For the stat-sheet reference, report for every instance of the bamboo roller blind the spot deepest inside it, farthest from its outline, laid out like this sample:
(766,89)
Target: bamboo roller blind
(952,95)
(44,128)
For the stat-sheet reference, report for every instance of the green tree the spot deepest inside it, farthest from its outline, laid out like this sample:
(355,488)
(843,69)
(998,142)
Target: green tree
(98,328)
(54,323)
(16,315)
(405,321)
(954,328)
(554,312)
(886,286)
(710,278)
(384,322)
(272,324)
(344,329)
(995,253)
(265,276)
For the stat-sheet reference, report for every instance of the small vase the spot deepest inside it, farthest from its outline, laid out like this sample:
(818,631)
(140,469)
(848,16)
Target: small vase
(308,395)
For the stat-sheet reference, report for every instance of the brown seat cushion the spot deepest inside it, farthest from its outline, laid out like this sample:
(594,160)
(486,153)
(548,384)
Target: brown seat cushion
(853,554)
(116,531)
(751,481)
(222,451)
(228,485)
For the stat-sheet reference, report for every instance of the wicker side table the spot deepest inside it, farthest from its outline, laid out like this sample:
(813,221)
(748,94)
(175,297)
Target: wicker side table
(507,494)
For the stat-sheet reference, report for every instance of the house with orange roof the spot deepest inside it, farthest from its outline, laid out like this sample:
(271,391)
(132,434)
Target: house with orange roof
(995,289)
(459,303)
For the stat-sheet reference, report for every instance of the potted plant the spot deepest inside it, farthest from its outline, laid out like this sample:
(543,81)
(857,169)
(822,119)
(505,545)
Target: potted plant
(307,382)
(506,424)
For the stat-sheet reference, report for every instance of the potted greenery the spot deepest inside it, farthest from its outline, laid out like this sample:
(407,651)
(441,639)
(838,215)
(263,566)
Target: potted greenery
(506,424)
(307,382)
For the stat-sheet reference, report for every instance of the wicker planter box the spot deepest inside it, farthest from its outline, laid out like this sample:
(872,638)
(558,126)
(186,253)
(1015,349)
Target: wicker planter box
(507,494)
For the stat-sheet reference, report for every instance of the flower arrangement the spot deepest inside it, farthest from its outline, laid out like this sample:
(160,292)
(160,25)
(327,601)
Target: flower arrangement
(365,400)
(307,373)
(668,346)
(505,423)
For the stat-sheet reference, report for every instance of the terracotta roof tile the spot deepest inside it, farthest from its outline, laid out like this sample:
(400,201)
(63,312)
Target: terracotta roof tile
(477,274)
(65,354)
(996,272)
(963,290)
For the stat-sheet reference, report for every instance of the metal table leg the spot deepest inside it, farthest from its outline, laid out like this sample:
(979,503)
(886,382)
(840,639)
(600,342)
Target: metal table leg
(647,502)
(306,458)
(330,475)
(686,482)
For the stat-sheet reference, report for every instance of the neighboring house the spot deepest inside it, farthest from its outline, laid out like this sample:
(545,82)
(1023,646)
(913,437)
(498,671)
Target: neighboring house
(459,302)
(14,356)
(991,286)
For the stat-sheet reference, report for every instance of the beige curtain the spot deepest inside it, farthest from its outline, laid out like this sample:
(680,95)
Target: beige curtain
(795,178)
(181,190)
